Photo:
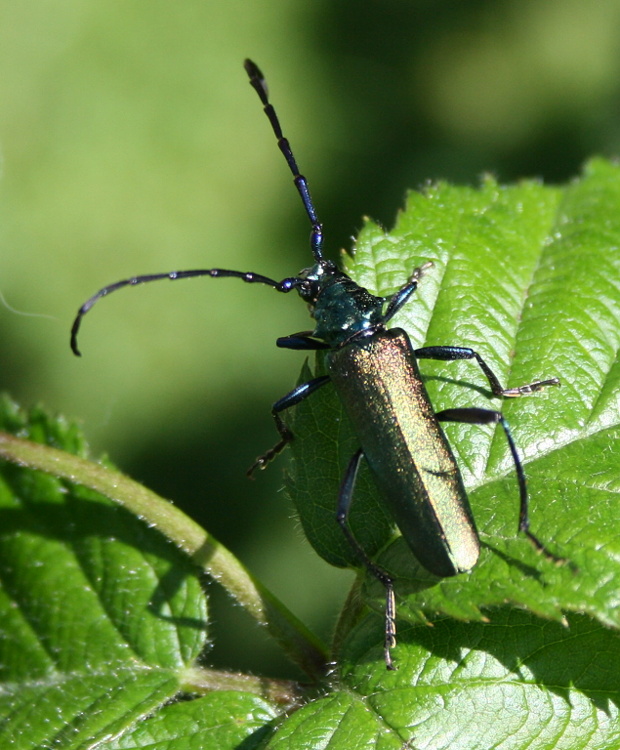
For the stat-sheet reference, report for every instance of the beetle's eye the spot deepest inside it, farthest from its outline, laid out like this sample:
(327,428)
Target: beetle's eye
(308,290)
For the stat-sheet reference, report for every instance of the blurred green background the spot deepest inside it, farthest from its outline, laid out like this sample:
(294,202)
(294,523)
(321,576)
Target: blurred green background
(132,143)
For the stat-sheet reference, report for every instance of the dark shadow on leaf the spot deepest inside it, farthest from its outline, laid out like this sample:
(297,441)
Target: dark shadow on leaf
(79,517)
(256,739)
(465,384)
(529,571)
(169,584)
(583,657)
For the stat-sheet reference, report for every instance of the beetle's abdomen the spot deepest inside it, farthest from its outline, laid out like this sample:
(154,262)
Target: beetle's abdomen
(379,384)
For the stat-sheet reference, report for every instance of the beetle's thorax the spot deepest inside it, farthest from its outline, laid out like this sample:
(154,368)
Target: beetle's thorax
(342,309)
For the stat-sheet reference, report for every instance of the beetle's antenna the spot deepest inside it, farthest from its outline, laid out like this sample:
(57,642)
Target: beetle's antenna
(259,84)
(286,285)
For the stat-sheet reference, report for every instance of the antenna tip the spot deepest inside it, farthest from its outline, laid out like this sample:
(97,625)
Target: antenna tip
(74,332)
(252,68)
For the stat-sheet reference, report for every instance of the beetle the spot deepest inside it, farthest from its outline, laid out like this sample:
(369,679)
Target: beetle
(376,375)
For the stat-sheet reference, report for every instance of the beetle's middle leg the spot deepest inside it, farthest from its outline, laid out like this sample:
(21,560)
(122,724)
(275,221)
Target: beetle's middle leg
(291,399)
(452,353)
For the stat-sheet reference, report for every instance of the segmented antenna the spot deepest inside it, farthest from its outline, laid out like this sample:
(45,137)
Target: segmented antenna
(257,80)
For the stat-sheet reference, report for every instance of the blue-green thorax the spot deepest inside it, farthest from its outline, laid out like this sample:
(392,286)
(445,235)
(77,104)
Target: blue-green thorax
(340,307)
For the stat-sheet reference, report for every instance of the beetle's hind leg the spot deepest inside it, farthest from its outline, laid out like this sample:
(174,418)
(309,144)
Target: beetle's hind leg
(345,496)
(474,415)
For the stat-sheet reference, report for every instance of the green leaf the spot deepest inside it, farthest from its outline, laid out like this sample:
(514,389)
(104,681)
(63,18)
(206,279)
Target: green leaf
(214,722)
(474,687)
(102,618)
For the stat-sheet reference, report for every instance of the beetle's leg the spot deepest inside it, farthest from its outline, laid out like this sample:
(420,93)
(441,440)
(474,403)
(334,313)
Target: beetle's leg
(399,298)
(301,341)
(451,353)
(473,415)
(294,397)
(345,497)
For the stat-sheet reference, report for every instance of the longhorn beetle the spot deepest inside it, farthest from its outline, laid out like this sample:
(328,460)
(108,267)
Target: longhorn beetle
(375,373)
